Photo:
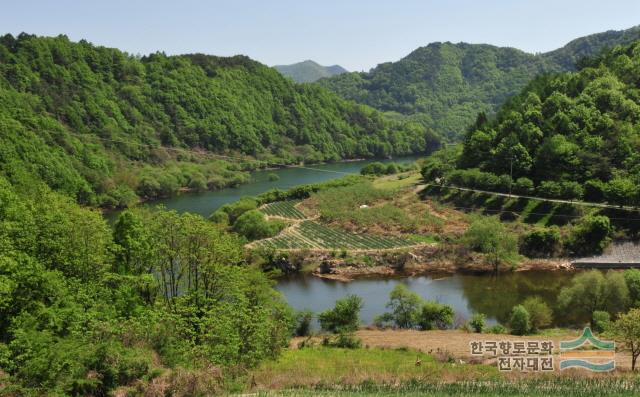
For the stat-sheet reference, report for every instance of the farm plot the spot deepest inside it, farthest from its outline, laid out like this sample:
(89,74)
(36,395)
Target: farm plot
(283,209)
(312,235)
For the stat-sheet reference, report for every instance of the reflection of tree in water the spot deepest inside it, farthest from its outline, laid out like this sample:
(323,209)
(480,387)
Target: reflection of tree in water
(495,296)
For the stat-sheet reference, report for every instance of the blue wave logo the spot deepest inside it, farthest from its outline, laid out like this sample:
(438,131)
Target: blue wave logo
(600,357)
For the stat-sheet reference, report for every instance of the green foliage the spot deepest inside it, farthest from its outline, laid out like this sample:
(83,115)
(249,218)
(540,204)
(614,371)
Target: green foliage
(344,317)
(254,226)
(591,235)
(434,315)
(84,311)
(627,328)
(601,321)
(540,313)
(571,130)
(409,310)
(98,124)
(632,279)
(303,320)
(541,243)
(497,329)
(343,340)
(488,236)
(520,321)
(592,291)
(445,85)
(477,322)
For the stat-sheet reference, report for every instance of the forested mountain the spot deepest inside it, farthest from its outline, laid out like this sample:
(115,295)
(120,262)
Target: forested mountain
(445,85)
(309,71)
(569,135)
(99,124)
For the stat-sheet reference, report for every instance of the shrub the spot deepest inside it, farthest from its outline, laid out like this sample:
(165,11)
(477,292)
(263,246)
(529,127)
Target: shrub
(488,236)
(435,315)
(550,189)
(344,340)
(477,322)
(520,321)
(497,329)
(632,279)
(540,314)
(254,225)
(590,235)
(375,168)
(344,317)
(303,322)
(234,210)
(621,191)
(273,177)
(601,321)
(571,190)
(541,243)
(523,186)
(594,190)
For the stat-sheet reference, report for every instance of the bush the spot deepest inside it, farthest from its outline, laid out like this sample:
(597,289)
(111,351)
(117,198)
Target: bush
(435,315)
(523,186)
(234,210)
(497,329)
(601,321)
(254,225)
(344,340)
(621,191)
(540,314)
(520,321)
(590,235)
(594,190)
(549,189)
(375,168)
(632,279)
(541,243)
(273,177)
(303,322)
(477,322)
(488,236)
(344,317)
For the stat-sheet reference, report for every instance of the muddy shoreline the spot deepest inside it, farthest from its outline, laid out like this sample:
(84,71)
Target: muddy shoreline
(427,260)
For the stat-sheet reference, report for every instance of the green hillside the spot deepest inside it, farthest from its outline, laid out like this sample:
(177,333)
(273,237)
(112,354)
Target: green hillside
(572,135)
(445,85)
(308,71)
(99,124)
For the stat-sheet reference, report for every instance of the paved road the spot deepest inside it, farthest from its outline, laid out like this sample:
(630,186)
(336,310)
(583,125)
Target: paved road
(583,203)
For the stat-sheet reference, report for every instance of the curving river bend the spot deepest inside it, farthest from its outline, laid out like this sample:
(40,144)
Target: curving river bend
(466,293)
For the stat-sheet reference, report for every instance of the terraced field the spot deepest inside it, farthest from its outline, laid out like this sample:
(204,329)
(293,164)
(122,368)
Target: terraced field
(311,235)
(283,209)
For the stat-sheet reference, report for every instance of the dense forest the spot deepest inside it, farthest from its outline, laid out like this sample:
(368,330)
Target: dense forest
(105,127)
(571,135)
(445,85)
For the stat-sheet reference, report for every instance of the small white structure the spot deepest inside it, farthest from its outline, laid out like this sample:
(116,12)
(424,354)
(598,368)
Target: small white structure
(364,206)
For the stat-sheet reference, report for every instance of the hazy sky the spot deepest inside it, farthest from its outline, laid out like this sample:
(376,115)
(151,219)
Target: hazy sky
(355,34)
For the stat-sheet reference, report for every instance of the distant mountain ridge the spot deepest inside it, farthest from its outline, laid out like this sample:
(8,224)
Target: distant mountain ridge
(309,71)
(445,85)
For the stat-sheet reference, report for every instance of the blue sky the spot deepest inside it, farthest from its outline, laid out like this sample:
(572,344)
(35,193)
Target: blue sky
(355,34)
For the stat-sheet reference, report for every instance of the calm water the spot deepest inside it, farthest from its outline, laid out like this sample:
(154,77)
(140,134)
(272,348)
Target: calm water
(467,294)
(207,202)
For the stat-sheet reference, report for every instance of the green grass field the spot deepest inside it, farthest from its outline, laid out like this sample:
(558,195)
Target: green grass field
(324,371)
(312,235)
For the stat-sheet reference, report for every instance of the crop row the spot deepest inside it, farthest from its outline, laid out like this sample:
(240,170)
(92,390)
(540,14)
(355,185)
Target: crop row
(312,235)
(284,209)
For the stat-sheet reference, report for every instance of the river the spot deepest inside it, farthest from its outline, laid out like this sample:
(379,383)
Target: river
(467,294)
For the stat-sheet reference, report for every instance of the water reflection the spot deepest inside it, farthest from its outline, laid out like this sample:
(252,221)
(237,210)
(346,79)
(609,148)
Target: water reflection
(467,294)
